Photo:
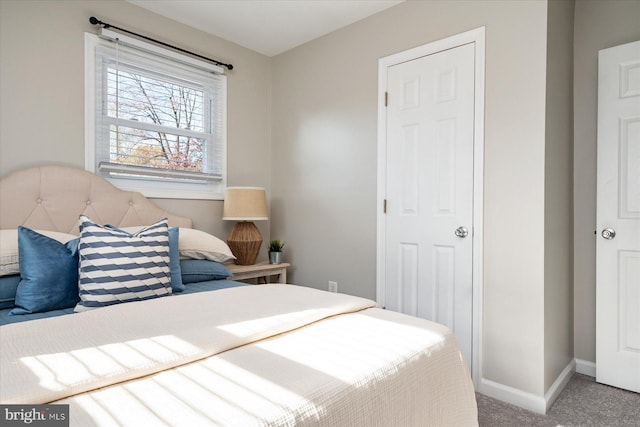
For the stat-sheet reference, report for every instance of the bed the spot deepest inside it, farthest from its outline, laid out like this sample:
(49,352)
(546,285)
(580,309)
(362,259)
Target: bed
(221,353)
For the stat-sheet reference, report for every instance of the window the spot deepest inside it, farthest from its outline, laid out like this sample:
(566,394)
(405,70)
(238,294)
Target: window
(155,122)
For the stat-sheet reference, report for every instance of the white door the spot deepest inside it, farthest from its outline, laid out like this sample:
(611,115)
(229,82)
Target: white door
(618,218)
(430,137)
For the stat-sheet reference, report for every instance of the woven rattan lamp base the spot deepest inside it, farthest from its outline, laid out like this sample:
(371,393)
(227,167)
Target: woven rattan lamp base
(245,241)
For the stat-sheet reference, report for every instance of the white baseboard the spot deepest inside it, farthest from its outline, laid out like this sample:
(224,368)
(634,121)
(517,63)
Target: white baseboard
(530,401)
(585,367)
(559,384)
(512,395)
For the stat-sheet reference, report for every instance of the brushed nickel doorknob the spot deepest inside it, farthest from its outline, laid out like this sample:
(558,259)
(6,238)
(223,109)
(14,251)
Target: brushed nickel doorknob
(608,233)
(462,232)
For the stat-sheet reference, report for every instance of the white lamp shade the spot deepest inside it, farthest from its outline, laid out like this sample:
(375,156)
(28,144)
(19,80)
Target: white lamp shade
(245,204)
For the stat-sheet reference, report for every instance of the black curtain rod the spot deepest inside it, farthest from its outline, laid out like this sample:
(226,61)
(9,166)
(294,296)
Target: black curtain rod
(95,21)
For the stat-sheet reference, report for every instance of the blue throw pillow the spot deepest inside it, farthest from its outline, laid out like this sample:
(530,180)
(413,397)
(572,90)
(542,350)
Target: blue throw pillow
(174,260)
(8,288)
(116,267)
(48,273)
(202,270)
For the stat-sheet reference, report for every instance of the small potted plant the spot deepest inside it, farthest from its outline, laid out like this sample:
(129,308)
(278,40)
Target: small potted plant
(275,251)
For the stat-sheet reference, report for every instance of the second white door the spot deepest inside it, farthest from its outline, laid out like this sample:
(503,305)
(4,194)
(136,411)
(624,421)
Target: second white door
(618,218)
(429,234)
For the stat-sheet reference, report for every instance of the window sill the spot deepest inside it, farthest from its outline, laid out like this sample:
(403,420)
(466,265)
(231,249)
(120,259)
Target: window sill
(153,190)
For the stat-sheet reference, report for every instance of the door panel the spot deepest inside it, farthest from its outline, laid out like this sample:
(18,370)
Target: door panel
(430,189)
(618,199)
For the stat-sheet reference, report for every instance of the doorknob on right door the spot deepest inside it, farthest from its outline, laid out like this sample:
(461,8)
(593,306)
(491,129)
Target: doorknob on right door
(462,232)
(608,233)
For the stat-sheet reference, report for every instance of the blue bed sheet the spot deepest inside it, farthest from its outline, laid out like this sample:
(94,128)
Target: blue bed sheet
(191,288)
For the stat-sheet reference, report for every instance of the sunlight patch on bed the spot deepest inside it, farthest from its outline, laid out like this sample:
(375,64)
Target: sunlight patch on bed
(212,391)
(57,371)
(286,374)
(250,327)
(327,346)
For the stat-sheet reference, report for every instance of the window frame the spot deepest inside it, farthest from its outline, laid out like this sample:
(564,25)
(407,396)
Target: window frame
(150,187)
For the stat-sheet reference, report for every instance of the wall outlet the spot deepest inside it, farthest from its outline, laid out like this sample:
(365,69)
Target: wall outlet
(333,286)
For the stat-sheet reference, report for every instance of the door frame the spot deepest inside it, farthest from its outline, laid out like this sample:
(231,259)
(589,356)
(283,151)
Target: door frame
(476,36)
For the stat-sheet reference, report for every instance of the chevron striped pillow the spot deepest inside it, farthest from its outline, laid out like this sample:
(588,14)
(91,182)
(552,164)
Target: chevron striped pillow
(117,267)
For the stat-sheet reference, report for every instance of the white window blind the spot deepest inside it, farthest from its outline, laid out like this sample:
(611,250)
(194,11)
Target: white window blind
(159,123)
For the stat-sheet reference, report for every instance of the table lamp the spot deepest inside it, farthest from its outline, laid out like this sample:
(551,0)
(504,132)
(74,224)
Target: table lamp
(245,204)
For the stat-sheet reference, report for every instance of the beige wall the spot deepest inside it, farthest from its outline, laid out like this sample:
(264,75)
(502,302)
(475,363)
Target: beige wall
(324,139)
(598,25)
(42,92)
(558,195)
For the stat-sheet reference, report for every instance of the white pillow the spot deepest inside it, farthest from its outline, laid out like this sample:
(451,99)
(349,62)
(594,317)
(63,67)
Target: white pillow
(9,254)
(197,244)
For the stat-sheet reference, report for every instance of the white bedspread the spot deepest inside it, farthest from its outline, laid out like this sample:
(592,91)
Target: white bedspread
(228,358)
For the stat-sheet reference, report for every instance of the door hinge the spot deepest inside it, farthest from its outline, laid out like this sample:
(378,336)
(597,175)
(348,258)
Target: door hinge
(386,99)
(384,206)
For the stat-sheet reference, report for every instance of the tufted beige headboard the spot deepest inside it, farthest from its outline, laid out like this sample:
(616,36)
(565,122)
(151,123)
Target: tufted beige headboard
(52,198)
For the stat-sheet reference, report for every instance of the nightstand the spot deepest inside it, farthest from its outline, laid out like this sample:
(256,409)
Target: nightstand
(259,270)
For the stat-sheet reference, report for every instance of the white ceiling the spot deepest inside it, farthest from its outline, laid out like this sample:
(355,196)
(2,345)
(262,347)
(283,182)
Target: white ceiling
(269,27)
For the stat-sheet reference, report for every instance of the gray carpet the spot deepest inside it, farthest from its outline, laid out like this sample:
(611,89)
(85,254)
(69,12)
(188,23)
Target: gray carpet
(583,402)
